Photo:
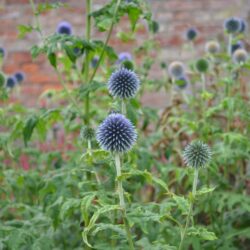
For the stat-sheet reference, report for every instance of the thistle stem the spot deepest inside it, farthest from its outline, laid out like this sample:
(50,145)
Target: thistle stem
(107,40)
(230,40)
(203,80)
(190,211)
(123,107)
(122,200)
(87,58)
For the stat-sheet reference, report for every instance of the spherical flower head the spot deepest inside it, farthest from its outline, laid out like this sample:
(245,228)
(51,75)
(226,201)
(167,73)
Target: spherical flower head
(197,154)
(232,25)
(64,28)
(2,52)
(176,70)
(19,77)
(87,133)
(212,47)
(124,56)
(191,34)
(202,65)
(116,134)
(243,26)
(240,56)
(182,82)
(123,83)
(235,46)
(11,82)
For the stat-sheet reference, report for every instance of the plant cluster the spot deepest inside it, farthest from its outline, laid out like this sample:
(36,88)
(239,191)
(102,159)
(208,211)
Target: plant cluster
(93,168)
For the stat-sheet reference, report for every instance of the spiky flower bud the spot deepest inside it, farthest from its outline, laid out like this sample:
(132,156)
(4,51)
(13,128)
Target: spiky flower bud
(176,69)
(123,83)
(11,82)
(2,52)
(116,134)
(240,56)
(128,64)
(154,27)
(232,25)
(182,82)
(212,47)
(197,154)
(202,65)
(235,46)
(191,34)
(87,133)
(19,77)
(64,28)
(124,56)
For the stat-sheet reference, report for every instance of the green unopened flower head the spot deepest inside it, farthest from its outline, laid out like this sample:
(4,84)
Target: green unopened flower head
(127,64)
(87,133)
(240,56)
(202,65)
(197,154)
(212,47)
(176,70)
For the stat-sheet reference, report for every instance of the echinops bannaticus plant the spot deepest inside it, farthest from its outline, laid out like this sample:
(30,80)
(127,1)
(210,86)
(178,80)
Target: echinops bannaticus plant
(212,47)
(65,28)
(237,45)
(176,70)
(191,34)
(19,77)
(117,135)
(124,56)
(123,83)
(2,52)
(240,56)
(232,25)
(196,155)
(11,82)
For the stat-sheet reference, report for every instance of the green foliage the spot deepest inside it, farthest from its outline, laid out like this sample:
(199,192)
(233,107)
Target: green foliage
(59,191)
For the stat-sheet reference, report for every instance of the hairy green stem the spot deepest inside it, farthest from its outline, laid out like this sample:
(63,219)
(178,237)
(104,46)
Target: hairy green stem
(123,107)
(36,14)
(190,211)
(122,200)
(203,80)
(230,40)
(106,41)
(87,58)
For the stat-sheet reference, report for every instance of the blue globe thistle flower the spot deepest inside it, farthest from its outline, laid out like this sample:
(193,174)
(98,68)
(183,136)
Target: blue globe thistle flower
(64,28)
(123,56)
(240,56)
(116,134)
(191,34)
(182,82)
(2,52)
(176,70)
(235,46)
(94,61)
(212,47)
(11,82)
(243,26)
(232,25)
(123,83)
(19,77)
(197,154)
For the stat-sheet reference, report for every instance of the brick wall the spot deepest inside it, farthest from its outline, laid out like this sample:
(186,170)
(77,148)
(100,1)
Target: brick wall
(174,16)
